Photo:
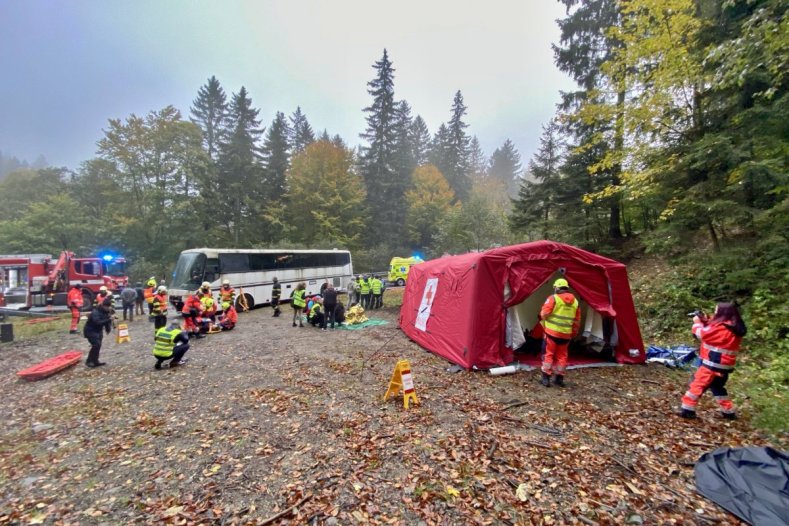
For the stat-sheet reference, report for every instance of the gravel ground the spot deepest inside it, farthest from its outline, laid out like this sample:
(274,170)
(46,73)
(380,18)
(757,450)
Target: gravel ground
(271,424)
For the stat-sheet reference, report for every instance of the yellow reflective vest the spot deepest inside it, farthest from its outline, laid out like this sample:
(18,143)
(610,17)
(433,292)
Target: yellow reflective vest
(165,341)
(561,319)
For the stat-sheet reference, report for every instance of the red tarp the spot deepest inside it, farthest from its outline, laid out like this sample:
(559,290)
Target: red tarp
(454,306)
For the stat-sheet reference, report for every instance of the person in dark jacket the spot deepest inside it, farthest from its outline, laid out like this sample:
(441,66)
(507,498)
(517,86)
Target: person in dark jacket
(128,297)
(140,300)
(276,293)
(99,320)
(329,306)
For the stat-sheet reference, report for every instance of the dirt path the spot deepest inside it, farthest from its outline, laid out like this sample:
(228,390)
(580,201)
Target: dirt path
(269,416)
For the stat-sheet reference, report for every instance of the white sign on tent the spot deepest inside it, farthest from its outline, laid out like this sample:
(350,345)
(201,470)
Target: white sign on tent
(427,302)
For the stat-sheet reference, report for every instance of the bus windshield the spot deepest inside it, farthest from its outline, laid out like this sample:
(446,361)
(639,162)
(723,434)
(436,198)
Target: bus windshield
(188,273)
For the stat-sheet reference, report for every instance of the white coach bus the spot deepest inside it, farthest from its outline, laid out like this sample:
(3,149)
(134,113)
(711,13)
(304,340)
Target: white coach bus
(253,271)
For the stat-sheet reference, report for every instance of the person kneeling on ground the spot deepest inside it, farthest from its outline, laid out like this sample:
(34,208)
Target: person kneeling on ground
(315,316)
(171,343)
(229,317)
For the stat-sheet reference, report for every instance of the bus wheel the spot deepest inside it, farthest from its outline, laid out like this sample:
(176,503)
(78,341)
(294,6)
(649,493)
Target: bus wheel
(244,302)
(400,282)
(87,299)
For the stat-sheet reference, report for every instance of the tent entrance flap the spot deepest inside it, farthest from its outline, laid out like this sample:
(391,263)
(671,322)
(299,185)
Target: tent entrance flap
(594,343)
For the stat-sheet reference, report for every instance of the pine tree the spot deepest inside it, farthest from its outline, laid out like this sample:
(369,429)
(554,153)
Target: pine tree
(457,150)
(419,136)
(209,112)
(301,132)
(378,157)
(241,171)
(505,166)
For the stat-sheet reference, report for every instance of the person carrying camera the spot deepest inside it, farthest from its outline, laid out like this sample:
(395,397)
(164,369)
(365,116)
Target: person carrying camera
(720,339)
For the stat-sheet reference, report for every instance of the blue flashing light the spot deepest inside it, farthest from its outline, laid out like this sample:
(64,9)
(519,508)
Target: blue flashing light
(418,256)
(107,257)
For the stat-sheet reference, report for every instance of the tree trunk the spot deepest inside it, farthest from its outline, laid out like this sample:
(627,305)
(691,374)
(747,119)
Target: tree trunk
(713,236)
(614,230)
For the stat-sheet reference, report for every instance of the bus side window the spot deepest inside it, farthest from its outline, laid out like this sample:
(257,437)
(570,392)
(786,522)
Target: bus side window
(211,270)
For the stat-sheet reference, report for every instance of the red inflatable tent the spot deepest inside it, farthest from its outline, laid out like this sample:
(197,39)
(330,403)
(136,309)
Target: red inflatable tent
(472,309)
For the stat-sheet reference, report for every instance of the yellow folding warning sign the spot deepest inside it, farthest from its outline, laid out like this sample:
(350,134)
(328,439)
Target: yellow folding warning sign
(123,333)
(402,380)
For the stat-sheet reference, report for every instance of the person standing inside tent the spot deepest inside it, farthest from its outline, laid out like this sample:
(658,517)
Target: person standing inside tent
(720,344)
(561,319)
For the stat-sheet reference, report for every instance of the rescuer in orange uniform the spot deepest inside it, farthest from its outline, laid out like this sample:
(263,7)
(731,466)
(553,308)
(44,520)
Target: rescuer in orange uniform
(149,292)
(191,313)
(227,294)
(75,305)
(159,313)
(720,344)
(229,316)
(561,319)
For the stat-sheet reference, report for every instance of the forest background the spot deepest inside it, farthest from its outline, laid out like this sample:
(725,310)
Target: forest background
(673,148)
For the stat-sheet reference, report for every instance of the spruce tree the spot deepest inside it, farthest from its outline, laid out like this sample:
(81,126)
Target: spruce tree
(439,150)
(457,150)
(419,136)
(378,156)
(209,112)
(241,171)
(505,166)
(276,157)
(536,198)
(586,43)
(404,165)
(301,132)
(477,163)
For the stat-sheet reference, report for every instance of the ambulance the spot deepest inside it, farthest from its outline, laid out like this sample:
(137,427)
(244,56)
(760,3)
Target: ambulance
(399,267)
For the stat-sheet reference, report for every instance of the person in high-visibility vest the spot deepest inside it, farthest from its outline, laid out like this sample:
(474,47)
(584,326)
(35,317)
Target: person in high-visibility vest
(171,343)
(159,310)
(315,316)
(227,294)
(364,290)
(376,286)
(149,293)
(298,301)
(75,305)
(720,345)
(561,318)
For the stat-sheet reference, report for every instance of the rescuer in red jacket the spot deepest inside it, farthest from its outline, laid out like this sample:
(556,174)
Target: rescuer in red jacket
(720,339)
(561,318)
(75,305)
(191,313)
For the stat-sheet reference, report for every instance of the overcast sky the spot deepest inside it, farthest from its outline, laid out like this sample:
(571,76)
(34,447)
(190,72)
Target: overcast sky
(68,66)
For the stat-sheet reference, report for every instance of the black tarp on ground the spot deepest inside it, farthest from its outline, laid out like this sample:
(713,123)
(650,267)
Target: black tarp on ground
(752,483)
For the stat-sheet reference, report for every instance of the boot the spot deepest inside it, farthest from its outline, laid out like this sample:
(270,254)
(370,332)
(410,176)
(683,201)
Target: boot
(546,379)
(687,413)
(728,416)
(558,380)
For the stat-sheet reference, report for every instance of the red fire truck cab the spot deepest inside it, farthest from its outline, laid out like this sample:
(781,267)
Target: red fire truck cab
(36,280)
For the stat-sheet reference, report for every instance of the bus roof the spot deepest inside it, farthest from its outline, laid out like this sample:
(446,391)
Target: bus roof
(261,250)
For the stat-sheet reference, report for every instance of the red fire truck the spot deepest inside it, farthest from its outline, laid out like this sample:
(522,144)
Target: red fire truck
(37,280)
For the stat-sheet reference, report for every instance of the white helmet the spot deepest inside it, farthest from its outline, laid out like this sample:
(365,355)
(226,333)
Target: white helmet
(161,288)
(205,285)
(226,282)
(103,288)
